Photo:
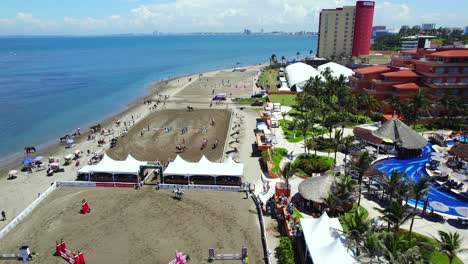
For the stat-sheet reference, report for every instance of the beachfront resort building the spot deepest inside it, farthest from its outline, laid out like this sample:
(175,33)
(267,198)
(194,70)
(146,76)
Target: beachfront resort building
(441,71)
(346,31)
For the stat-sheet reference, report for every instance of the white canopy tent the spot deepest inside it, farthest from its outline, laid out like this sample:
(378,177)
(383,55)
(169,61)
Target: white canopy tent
(129,166)
(298,74)
(336,70)
(204,167)
(324,240)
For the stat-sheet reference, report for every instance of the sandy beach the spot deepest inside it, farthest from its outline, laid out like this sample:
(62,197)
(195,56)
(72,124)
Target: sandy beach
(18,193)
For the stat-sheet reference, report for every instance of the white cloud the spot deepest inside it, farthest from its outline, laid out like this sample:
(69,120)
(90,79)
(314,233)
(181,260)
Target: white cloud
(225,15)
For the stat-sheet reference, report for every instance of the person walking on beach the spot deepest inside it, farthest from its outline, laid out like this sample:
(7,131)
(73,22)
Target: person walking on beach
(3,215)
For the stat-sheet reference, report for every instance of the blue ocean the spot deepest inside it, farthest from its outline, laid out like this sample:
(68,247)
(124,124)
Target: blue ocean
(53,85)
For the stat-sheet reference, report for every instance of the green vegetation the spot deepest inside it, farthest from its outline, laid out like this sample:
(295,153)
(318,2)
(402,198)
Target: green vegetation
(293,134)
(349,214)
(276,157)
(269,77)
(307,164)
(248,101)
(286,251)
(283,99)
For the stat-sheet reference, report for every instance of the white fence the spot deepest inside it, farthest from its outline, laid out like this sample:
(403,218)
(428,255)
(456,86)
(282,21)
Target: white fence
(27,211)
(200,187)
(76,183)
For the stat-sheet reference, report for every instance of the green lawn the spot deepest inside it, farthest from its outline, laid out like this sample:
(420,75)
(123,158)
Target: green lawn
(436,256)
(296,135)
(276,157)
(283,99)
(269,77)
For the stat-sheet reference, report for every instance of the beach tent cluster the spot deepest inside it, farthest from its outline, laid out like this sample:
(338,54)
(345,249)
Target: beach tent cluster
(204,171)
(299,73)
(119,170)
(324,240)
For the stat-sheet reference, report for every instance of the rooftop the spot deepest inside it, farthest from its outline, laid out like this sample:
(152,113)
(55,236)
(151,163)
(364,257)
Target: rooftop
(404,73)
(451,53)
(406,86)
(372,69)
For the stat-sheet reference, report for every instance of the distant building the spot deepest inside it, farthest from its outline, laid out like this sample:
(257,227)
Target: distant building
(346,31)
(413,42)
(426,27)
(466,30)
(378,31)
(404,27)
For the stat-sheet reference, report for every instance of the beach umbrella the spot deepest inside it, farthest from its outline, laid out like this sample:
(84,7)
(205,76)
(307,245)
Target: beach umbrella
(38,158)
(438,206)
(462,210)
(459,176)
(445,169)
(70,141)
(27,160)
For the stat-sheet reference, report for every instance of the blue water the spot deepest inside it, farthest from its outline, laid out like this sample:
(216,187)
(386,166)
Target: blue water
(415,168)
(52,85)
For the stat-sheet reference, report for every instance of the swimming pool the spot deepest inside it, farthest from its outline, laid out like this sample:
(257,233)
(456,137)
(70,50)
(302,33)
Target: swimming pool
(415,168)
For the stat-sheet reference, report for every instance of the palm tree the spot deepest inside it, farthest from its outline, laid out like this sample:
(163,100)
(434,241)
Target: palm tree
(419,101)
(288,172)
(395,214)
(284,114)
(398,250)
(450,244)
(297,54)
(337,140)
(361,166)
(283,58)
(304,123)
(358,226)
(273,58)
(311,143)
(346,145)
(393,183)
(419,189)
(310,53)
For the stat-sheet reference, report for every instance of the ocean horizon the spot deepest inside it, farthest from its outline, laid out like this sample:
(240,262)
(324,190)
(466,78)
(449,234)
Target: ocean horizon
(51,85)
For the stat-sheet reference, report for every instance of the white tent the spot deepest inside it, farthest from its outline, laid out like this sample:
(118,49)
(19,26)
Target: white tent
(324,240)
(336,69)
(181,167)
(284,87)
(108,165)
(298,74)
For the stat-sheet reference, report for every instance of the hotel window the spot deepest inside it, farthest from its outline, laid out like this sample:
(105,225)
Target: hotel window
(439,92)
(464,80)
(439,70)
(454,91)
(451,80)
(437,80)
(465,70)
(453,70)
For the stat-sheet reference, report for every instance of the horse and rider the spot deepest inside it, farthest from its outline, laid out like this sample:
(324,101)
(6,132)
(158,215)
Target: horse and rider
(178,193)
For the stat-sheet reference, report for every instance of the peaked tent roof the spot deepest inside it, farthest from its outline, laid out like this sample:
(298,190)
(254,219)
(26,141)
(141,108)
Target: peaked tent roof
(204,166)
(108,165)
(299,73)
(336,69)
(401,134)
(330,247)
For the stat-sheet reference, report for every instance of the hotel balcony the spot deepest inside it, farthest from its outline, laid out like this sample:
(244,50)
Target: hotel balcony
(446,85)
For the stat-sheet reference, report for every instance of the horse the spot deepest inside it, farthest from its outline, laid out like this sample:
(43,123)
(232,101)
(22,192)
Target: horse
(95,128)
(190,108)
(30,149)
(64,138)
(101,142)
(177,194)
(76,134)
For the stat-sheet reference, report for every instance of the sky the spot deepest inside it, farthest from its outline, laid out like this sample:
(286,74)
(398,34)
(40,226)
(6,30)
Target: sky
(96,17)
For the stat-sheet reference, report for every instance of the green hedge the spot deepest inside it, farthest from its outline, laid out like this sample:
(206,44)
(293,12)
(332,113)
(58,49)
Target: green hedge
(309,163)
(286,251)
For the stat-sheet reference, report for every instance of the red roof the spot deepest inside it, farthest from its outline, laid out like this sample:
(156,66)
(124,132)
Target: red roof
(366,135)
(372,69)
(462,53)
(414,51)
(406,86)
(402,73)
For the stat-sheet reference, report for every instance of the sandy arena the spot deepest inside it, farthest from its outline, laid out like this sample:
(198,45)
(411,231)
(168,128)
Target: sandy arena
(158,144)
(138,226)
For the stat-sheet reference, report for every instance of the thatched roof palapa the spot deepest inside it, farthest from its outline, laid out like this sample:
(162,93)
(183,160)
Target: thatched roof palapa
(401,134)
(316,188)
(460,150)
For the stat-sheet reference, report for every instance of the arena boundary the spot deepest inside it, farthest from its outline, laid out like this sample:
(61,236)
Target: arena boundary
(200,187)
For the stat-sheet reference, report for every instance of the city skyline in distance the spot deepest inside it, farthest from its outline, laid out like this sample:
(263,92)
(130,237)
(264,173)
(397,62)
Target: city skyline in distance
(88,17)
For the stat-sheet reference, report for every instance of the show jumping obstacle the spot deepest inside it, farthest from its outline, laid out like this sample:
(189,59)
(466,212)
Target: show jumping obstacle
(242,256)
(67,255)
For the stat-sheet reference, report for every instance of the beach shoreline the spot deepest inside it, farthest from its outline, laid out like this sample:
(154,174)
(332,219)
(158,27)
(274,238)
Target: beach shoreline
(46,149)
